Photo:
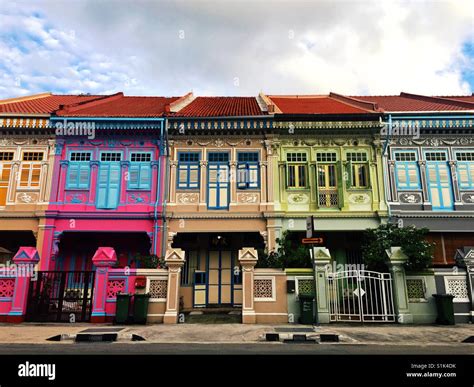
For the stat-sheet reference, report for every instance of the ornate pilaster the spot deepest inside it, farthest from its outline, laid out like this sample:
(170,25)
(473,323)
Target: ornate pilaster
(400,291)
(202,184)
(424,182)
(172,187)
(174,259)
(248,258)
(454,176)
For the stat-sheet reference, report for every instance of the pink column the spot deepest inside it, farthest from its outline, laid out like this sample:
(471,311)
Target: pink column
(25,260)
(93,186)
(124,178)
(62,179)
(104,258)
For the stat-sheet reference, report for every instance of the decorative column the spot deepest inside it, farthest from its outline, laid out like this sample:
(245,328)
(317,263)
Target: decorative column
(50,247)
(104,258)
(465,257)
(282,181)
(63,165)
(263,186)
(157,181)
(321,262)
(14,180)
(374,186)
(172,187)
(44,194)
(202,185)
(25,260)
(174,261)
(454,176)
(399,284)
(93,186)
(124,179)
(248,258)
(391,178)
(424,185)
(232,182)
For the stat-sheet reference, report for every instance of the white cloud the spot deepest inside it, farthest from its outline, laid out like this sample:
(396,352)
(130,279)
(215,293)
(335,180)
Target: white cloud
(353,47)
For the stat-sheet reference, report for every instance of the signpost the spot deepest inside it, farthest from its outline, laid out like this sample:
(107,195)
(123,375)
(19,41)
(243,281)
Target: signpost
(312,240)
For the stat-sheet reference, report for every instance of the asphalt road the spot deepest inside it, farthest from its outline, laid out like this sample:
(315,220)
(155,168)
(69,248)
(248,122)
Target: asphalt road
(230,349)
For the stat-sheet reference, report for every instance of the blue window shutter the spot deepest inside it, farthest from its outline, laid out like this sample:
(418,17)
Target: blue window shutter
(134,174)
(145,176)
(84,172)
(102,187)
(73,176)
(113,186)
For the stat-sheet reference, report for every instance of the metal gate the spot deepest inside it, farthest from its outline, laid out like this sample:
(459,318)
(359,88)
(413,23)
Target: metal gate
(361,295)
(61,296)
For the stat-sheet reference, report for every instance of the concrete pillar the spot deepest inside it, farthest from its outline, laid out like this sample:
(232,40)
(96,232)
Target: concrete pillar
(399,283)
(248,258)
(174,259)
(25,260)
(322,259)
(104,258)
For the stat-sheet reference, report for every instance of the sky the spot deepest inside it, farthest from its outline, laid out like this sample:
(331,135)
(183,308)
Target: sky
(236,47)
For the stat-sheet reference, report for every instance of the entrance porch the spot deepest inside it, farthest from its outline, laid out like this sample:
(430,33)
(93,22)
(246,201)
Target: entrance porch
(211,276)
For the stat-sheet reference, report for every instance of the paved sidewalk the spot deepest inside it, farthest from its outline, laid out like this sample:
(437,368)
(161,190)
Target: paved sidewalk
(29,333)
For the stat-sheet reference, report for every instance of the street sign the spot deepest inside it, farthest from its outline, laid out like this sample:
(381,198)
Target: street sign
(309,226)
(313,241)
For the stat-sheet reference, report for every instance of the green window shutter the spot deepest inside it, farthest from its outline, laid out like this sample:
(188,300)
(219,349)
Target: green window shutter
(349,175)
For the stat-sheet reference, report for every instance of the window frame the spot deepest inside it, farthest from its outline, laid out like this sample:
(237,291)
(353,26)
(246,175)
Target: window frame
(405,166)
(141,165)
(468,165)
(296,165)
(188,166)
(248,166)
(79,164)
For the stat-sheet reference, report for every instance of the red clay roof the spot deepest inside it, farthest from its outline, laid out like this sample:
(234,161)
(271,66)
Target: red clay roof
(316,104)
(417,103)
(41,104)
(118,105)
(221,107)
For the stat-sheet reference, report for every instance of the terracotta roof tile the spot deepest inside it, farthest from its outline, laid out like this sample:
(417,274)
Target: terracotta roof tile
(321,104)
(41,104)
(417,103)
(118,105)
(221,107)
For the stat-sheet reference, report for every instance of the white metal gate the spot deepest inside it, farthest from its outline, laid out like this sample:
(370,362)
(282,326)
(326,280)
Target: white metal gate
(361,295)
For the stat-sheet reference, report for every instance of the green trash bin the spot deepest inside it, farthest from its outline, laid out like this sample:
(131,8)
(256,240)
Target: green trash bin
(444,306)
(122,308)
(140,308)
(306,309)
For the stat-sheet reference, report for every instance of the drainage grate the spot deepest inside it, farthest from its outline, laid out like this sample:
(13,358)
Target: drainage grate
(85,337)
(283,330)
(102,330)
(328,338)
